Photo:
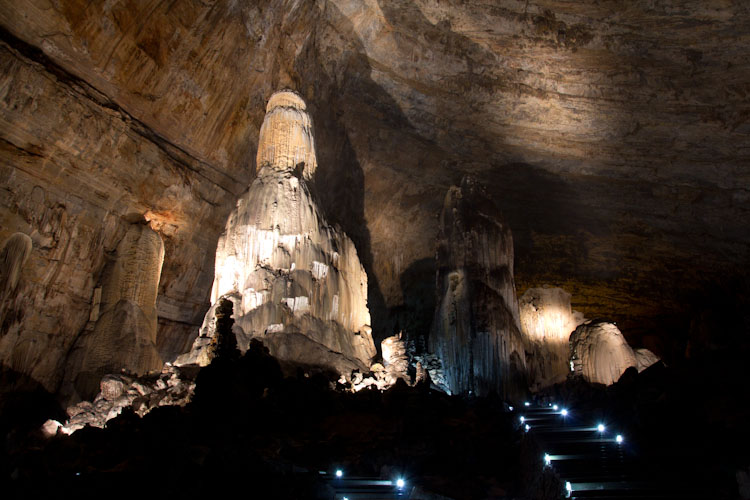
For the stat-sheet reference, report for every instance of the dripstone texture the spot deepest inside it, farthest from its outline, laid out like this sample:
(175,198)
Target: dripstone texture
(476,331)
(295,281)
(599,353)
(547,321)
(123,336)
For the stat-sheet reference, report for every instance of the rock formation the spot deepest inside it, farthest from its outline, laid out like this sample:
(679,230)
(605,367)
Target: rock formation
(14,254)
(172,387)
(547,321)
(599,353)
(564,111)
(476,330)
(395,359)
(295,282)
(124,334)
(644,358)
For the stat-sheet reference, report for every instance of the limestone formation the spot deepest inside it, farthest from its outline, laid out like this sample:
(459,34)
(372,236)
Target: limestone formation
(599,352)
(286,139)
(644,358)
(172,387)
(476,330)
(613,135)
(124,335)
(395,359)
(547,321)
(14,254)
(295,281)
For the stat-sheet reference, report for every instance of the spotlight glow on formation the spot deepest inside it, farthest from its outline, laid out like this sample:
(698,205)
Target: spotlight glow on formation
(523,420)
(400,483)
(600,427)
(511,408)
(547,459)
(564,413)
(619,439)
(339,473)
(527,403)
(554,407)
(527,427)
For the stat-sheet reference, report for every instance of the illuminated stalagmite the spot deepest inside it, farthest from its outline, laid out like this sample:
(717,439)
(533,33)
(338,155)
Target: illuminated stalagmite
(124,333)
(600,353)
(547,321)
(395,359)
(476,330)
(295,281)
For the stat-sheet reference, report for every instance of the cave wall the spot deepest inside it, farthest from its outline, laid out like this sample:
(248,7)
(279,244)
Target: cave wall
(613,135)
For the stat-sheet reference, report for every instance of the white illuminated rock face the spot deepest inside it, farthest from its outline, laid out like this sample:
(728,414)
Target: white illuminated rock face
(395,359)
(547,321)
(476,330)
(599,352)
(295,282)
(124,333)
(286,139)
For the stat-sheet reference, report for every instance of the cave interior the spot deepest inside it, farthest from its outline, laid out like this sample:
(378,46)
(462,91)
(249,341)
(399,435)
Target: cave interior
(407,181)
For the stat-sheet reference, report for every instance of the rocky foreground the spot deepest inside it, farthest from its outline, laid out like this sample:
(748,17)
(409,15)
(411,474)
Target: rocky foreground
(249,428)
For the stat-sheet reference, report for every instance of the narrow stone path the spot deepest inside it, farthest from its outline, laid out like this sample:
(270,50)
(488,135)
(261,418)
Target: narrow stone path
(594,461)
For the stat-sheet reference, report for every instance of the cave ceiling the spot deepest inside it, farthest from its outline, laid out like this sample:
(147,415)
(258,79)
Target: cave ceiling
(613,135)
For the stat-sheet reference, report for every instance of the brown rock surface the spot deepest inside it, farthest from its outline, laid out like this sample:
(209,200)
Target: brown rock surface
(124,334)
(614,136)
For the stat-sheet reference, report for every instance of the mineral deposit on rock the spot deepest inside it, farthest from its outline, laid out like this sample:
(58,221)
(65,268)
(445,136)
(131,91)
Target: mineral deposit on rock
(547,321)
(395,359)
(600,353)
(295,281)
(476,331)
(124,335)
(644,358)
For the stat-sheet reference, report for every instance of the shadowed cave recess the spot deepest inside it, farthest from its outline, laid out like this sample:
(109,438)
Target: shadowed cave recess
(247,244)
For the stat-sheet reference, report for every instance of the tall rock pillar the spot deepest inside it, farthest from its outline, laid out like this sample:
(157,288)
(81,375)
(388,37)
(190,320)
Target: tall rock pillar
(124,333)
(476,329)
(296,282)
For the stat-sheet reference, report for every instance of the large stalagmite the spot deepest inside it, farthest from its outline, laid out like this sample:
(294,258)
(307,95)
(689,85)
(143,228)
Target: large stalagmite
(124,334)
(295,281)
(476,330)
(599,352)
